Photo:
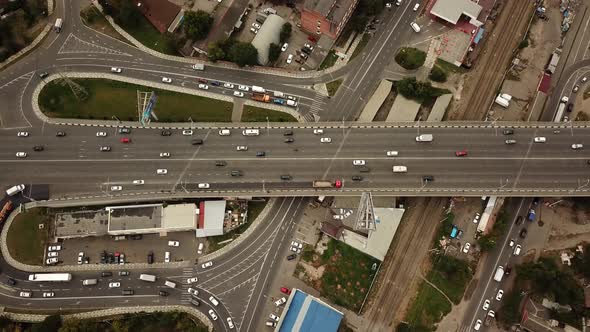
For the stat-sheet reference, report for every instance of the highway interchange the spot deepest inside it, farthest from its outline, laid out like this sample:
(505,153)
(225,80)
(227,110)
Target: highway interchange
(240,278)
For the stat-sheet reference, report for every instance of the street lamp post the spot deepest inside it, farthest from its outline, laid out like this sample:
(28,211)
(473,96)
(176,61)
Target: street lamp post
(572,126)
(190,118)
(267,127)
(419,118)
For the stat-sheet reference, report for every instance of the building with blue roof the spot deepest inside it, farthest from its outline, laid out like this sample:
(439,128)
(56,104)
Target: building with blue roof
(305,313)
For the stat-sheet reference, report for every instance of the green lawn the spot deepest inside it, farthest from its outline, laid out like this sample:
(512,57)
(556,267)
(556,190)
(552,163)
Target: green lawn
(329,61)
(258,114)
(94,19)
(361,45)
(347,276)
(333,87)
(108,98)
(146,34)
(254,209)
(428,308)
(26,241)
(449,67)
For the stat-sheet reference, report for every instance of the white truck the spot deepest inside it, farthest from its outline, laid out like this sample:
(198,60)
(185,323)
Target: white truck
(502,101)
(561,109)
(198,66)
(50,277)
(400,169)
(499,273)
(15,189)
(147,277)
(424,138)
(278,94)
(58,24)
(258,89)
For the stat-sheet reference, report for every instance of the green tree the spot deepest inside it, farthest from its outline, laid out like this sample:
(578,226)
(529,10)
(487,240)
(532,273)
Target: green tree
(274,51)
(50,324)
(358,23)
(437,74)
(420,91)
(410,58)
(509,313)
(128,14)
(215,52)
(243,54)
(197,24)
(486,242)
(285,33)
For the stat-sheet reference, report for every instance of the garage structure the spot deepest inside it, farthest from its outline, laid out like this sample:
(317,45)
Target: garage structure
(452,10)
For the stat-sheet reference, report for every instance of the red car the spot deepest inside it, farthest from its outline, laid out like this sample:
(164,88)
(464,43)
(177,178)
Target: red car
(125,140)
(461,153)
(202,80)
(338,184)
(285,290)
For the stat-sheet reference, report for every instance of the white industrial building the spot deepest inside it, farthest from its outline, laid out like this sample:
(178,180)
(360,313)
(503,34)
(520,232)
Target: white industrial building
(269,33)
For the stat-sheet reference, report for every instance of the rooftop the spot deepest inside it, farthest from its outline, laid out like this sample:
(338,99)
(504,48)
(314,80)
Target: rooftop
(333,10)
(151,218)
(451,10)
(305,313)
(160,13)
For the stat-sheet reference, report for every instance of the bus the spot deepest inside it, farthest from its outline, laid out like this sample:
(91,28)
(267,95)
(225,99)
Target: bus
(50,277)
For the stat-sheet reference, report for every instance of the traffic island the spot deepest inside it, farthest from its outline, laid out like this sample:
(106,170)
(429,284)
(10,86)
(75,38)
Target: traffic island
(258,114)
(27,236)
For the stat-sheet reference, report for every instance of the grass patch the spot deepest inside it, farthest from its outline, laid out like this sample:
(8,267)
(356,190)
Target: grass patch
(449,67)
(94,19)
(108,98)
(333,87)
(254,209)
(428,308)
(258,114)
(361,45)
(174,321)
(410,58)
(26,241)
(347,276)
(146,34)
(329,61)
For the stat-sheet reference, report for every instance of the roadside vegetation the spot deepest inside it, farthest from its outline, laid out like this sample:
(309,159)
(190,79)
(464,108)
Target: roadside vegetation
(359,19)
(488,241)
(329,61)
(217,242)
(258,114)
(243,54)
(419,91)
(19,25)
(26,242)
(333,87)
(94,19)
(437,74)
(360,46)
(410,58)
(107,99)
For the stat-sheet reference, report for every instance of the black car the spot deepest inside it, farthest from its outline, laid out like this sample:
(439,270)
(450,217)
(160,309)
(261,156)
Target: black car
(166,133)
(124,130)
(163,293)
(38,148)
(286,177)
(236,173)
(288,133)
(197,141)
(105,148)
(364,169)
(523,233)
(106,274)
(215,83)
(220,163)
(260,154)
(150,258)
(128,292)
(43,74)
(60,134)
(519,220)
(11,282)
(570,107)
(357,178)
(428,178)
(196,303)
(536,200)
(291,257)
(136,237)
(289,140)
(508,132)
(508,270)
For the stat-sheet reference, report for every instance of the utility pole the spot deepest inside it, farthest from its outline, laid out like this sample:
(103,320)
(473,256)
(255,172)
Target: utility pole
(267,127)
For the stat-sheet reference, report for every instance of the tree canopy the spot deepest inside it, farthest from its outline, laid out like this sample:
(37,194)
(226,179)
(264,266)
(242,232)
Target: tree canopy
(197,24)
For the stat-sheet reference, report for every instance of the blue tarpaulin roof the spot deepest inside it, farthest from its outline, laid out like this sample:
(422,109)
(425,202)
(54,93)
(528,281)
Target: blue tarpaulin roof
(308,314)
(479,36)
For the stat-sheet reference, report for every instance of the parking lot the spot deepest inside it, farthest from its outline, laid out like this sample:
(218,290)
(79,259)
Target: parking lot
(133,251)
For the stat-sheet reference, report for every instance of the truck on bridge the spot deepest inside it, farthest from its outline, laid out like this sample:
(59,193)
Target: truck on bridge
(261,97)
(322,184)
(258,89)
(50,277)
(561,109)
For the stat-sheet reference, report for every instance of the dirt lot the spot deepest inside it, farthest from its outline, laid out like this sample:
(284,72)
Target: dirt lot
(478,88)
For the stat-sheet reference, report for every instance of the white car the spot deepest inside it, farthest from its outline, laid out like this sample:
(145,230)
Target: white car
(466,247)
(238,94)
(477,325)
(80,257)
(230,323)
(101,134)
(388,5)
(193,291)
(284,48)
(203,186)
(167,257)
(584,79)
(116,188)
(138,182)
(114,284)
(242,148)
(228,85)
(499,295)
(308,46)
(191,280)
(511,243)
(290,58)
(318,131)
(25,294)
(48,294)
(166,80)
(213,301)
(297,244)
(116,69)
(273,317)
(392,153)
(200,248)
(162,171)
(416,6)
(164,154)
(22,134)
(358,162)
(52,260)
(540,139)
(52,254)
(486,305)
(325,140)
(577,146)
(254,30)
(54,248)
(187,132)
(256,25)
(212,314)
(207,264)
(476,218)
(281,301)
(243,88)
(173,243)
(203,86)
(21,154)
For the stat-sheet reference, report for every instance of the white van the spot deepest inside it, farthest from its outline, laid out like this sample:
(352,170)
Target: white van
(424,138)
(213,301)
(251,132)
(147,277)
(400,169)
(224,132)
(517,250)
(499,274)
(200,248)
(89,282)
(415,26)
(170,284)
(15,189)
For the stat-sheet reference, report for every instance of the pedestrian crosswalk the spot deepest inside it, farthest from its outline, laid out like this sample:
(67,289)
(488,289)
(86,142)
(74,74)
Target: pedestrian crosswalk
(187,272)
(318,104)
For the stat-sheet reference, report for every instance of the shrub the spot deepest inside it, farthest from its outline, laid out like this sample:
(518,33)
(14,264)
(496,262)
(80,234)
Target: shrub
(410,58)
(437,74)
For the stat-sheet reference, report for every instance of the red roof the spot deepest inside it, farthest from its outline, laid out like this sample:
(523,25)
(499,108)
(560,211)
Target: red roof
(545,83)
(160,13)
(201,224)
